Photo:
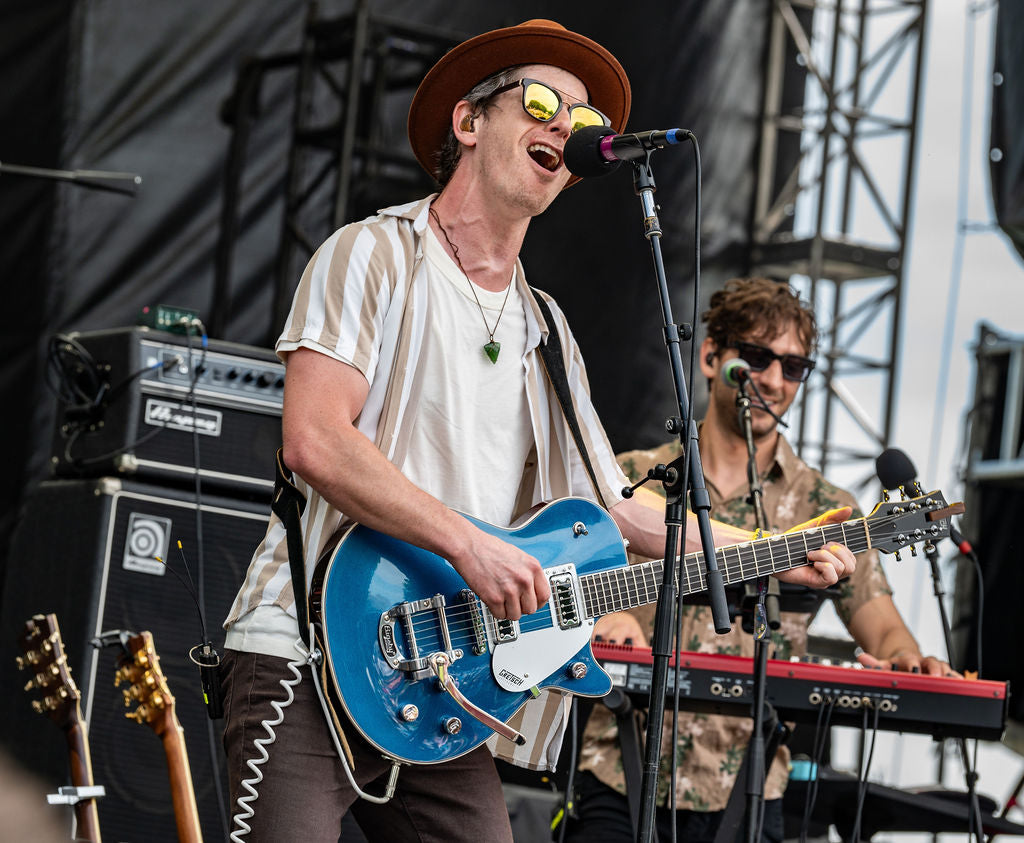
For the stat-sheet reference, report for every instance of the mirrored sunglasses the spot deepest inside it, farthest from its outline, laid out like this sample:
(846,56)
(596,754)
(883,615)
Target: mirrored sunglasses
(542,102)
(759,358)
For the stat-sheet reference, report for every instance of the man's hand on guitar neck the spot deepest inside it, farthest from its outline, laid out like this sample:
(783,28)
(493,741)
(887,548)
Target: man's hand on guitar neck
(829,564)
(641,520)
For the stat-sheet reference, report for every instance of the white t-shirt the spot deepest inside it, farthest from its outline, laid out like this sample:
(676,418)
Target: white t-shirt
(453,462)
(473,433)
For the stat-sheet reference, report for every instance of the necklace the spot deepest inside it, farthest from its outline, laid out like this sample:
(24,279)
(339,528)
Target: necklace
(492,347)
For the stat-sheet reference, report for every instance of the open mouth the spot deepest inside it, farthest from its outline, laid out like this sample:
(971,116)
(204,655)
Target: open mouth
(545,156)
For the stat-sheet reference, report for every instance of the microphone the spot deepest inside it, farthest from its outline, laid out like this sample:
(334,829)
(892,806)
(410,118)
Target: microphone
(735,372)
(597,150)
(895,469)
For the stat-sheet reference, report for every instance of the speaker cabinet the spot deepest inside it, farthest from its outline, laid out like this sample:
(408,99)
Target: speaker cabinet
(84,549)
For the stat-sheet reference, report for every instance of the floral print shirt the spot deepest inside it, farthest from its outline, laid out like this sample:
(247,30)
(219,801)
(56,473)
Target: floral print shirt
(710,748)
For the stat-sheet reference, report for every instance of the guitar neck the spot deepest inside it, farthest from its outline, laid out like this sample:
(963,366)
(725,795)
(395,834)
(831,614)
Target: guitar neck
(637,585)
(183,795)
(87,817)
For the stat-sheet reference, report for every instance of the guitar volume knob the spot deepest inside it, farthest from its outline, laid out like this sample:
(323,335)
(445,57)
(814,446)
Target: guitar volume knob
(577,670)
(409,713)
(453,725)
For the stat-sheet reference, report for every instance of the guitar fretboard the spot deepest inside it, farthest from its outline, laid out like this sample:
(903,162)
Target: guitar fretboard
(636,585)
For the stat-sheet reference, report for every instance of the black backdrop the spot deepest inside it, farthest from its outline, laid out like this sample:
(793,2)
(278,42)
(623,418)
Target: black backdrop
(112,85)
(1007,171)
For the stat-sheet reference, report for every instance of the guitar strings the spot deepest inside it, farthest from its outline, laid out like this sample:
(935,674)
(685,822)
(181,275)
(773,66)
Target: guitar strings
(604,591)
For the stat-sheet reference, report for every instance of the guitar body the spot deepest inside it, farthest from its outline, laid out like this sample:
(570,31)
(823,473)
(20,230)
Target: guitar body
(368,650)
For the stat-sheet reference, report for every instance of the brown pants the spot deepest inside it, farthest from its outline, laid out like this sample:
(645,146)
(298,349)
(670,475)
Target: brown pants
(305,793)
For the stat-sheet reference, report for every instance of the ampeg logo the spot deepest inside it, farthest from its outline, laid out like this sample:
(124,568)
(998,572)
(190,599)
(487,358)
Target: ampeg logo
(180,417)
(149,536)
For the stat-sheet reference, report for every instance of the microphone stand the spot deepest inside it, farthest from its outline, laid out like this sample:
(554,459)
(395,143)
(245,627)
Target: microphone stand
(662,644)
(114,182)
(970,775)
(765,618)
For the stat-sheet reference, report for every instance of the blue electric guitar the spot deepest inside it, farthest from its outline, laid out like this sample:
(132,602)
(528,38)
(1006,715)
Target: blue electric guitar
(427,673)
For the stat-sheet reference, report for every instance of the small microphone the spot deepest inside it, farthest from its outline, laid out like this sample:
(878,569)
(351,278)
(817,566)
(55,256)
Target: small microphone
(895,469)
(735,372)
(598,150)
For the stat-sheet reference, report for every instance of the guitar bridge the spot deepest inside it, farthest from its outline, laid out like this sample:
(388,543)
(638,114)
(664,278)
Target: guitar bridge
(410,661)
(476,620)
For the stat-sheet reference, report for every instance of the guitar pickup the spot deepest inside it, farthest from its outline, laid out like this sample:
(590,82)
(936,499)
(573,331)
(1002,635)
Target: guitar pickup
(563,599)
(505,630)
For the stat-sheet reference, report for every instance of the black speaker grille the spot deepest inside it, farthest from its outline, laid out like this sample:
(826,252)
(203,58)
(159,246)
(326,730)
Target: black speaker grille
(73,554)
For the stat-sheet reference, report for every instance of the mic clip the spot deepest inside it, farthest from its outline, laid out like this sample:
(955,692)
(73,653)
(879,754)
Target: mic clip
(208,660)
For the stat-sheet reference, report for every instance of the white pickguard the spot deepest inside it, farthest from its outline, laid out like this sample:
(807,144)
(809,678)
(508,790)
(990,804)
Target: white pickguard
(521,664)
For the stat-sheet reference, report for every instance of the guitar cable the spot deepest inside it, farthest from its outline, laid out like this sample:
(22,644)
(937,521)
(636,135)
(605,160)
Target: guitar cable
(244,802)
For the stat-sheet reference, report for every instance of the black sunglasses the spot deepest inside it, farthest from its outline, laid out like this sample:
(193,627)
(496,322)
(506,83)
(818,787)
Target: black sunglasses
(759,358)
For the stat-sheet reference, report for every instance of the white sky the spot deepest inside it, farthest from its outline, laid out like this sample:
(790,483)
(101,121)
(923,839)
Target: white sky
(991,290)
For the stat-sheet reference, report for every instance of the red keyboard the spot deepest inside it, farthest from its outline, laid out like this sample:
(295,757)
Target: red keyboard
(800,690)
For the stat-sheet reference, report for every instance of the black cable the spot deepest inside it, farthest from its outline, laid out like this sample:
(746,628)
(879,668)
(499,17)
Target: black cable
(195,370)
(567,802)
(63,353)
(817,752)
(84,408)
(862,786)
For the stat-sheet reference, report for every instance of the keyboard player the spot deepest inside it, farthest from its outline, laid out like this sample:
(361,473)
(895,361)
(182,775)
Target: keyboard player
(766,324)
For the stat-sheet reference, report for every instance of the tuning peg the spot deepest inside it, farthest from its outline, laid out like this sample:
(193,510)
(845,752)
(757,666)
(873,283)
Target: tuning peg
(898,557)
(885,496)
(913,550)
(140,715)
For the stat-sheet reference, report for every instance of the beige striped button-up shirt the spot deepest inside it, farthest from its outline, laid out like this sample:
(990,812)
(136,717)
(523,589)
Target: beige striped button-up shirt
(364,299)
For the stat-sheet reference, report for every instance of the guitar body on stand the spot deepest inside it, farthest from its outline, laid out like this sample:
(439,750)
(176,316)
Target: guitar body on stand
(426,673)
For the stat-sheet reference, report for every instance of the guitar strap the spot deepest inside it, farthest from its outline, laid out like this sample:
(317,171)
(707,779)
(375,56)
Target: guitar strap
(288,505)
(554,366)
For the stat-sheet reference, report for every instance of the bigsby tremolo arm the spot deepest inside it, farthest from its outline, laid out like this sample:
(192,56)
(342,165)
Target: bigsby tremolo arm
(439,663)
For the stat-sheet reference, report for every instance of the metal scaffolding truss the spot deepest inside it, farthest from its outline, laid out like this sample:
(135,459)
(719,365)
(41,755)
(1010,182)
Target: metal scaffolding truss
(838,145)
(354,79)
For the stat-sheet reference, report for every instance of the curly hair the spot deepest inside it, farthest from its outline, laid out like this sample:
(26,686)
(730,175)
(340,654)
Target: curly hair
(479,97)
(758,308)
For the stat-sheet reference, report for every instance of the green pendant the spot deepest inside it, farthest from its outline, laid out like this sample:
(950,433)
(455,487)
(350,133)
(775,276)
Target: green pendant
(491,349)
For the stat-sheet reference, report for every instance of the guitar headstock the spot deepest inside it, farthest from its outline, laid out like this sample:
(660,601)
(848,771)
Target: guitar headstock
(895,524)
(45,660)
(139,667)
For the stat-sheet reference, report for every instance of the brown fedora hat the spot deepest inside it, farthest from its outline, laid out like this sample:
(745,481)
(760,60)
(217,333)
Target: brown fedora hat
(536,41)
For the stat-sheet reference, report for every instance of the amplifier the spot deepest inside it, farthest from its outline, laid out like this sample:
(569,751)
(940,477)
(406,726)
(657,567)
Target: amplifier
(154,405)
(84,550)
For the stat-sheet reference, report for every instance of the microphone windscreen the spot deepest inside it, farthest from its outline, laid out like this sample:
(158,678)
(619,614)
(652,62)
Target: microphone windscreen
(894,468)
(582,152)
(733,371)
